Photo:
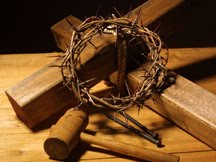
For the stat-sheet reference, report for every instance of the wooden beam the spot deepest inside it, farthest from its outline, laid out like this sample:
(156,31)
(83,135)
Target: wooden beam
(35,98)
(149,12)
(153,9)
(42,94)
(187,105)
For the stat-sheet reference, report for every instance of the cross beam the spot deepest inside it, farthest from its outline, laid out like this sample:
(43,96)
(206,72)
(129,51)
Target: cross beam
(180,103)
(35,99)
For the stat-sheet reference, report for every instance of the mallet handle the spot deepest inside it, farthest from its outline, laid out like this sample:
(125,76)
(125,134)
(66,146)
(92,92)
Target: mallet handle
(130,150)
(66,133)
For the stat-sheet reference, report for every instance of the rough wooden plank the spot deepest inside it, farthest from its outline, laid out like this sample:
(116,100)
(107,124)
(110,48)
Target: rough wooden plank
(40,95)
(149,12)
(62,31)
(195,64)
(153,9)
(21,144)
(35,99)
(187,105)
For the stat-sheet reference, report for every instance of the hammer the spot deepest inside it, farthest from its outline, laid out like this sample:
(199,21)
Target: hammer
(66,134)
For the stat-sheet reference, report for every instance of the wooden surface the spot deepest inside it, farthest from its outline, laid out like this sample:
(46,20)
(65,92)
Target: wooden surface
(197,115)
(35,98)
(186,104)
(19,143)
(34,107)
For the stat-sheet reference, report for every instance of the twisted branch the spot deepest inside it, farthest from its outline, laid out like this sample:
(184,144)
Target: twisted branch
(128,31)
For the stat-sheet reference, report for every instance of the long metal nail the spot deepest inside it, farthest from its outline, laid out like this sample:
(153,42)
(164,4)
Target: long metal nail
(145,129)
(157,142)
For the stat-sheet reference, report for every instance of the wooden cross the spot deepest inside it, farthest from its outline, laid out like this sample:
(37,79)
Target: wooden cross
(192,108)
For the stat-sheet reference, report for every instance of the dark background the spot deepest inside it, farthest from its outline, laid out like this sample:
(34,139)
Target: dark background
(25,25)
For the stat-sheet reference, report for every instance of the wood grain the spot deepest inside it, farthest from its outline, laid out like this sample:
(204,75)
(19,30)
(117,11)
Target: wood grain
(187,105)
(148,12)
(42,94)
(19,143)
(35,99)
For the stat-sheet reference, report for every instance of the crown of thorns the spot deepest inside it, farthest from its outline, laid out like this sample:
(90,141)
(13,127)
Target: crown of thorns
(153,75)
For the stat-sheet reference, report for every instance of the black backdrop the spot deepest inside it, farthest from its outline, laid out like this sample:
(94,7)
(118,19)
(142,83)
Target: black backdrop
(25,24)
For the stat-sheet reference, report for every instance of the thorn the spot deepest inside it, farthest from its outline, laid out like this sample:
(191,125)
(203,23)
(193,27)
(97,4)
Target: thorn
(117,12)
(77,107)
(87,81)
(126,119)
(113,16)
(142,25)
(129,12)
(137,17)
(99,7)
(132,39)
(156,28)
(127,87)
(102,17)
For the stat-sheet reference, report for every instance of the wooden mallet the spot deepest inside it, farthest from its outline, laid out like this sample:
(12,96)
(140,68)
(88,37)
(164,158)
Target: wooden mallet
(66,134)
